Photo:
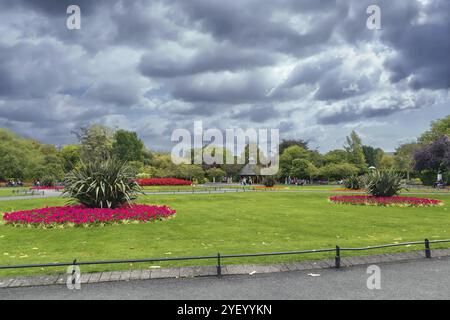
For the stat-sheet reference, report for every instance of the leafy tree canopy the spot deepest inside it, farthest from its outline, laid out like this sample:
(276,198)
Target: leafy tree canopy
(127,146)
(438,128)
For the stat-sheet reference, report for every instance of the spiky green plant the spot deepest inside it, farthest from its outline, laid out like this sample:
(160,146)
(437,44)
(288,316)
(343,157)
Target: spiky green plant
(101,184)
(353,182)
(383,183)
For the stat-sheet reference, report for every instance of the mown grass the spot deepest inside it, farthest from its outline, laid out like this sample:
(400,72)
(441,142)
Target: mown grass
(8,192)
(227,223)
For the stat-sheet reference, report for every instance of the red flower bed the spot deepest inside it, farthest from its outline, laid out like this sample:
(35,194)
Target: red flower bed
(47,188)
(384,201)
(163,182)
(79,215)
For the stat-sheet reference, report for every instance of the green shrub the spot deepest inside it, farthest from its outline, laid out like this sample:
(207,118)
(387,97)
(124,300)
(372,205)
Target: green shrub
(269,181)
(101,184)
(383,183)
(428,177)
(353,182)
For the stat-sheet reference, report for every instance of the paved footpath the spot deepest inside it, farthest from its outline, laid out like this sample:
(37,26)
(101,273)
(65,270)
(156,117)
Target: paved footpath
(413,279)
(51,194)
(47,194)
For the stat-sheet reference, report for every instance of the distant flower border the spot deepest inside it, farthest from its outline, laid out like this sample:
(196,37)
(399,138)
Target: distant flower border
(80,216)
(58,188)
(385,201)
(348,190)
(270,188)
(163,182)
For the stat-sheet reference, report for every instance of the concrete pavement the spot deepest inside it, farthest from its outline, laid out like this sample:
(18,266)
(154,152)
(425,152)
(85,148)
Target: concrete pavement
(418,279)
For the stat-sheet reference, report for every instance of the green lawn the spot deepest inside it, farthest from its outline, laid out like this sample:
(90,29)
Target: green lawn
(227,223)
(8,192)
(184,188)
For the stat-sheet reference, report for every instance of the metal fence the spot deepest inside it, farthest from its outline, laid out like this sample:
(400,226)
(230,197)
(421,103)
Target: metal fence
(219,257)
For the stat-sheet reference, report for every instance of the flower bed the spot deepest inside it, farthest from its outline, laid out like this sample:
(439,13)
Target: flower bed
(59,188)
(384,201)
(270,188)
(79,215)
(163,182)
(348,190)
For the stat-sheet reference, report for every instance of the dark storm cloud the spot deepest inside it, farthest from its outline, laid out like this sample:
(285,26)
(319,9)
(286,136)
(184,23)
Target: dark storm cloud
(57,7)
(119,93)
(337,86)
(217,59)
(37,70)
(145,64)
(372,109)
(246,22)
(257,114)
(221,88)
(418,36)
(351,113)
(311,72)
(422,54)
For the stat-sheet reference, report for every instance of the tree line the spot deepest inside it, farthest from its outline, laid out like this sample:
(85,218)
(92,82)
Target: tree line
(30,160)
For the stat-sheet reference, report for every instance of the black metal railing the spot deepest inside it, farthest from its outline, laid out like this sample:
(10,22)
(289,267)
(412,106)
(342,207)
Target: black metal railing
(219,257)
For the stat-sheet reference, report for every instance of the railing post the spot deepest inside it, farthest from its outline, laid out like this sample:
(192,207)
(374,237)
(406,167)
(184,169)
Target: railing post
(337,259)
(73,271)
(427,249)
(219,267)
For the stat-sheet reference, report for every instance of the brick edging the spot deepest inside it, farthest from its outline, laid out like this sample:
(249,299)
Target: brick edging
(202,271)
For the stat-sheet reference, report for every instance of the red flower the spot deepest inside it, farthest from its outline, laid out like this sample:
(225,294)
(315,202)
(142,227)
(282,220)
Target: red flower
(163,182)
(47,188)
(384,201)
(81,215)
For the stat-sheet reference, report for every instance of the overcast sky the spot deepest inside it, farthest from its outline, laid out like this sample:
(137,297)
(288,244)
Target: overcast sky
(308,67)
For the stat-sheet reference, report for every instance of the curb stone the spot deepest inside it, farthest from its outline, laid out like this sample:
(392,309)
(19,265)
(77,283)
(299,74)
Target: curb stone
(233,269)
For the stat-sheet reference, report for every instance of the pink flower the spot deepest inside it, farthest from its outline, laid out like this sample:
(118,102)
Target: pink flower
(81,215)
(384,201)
(47,188)
(163,182)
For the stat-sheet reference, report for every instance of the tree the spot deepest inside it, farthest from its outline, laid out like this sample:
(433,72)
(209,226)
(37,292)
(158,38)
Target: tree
(315,157)
(434,156)
(372,155)
(288,156)
(438,128)
(355,152)
(127,146)
(190,172)
(215,173)
(335,156)
(95,142)
(338,171)
(303,169)
(299,168)
(387,162)
(286,143)
(19,158)
(403,157)
(51,168)
(70,156)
